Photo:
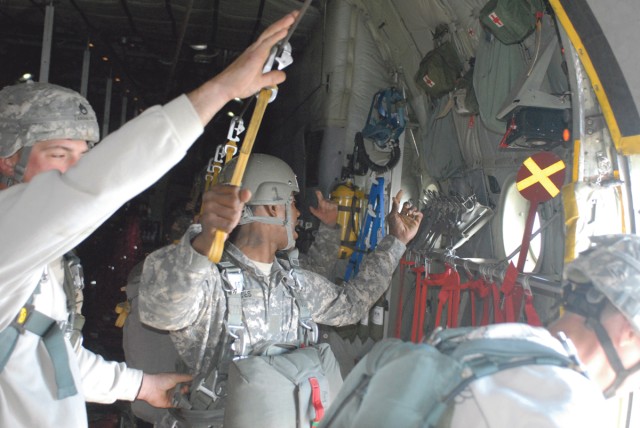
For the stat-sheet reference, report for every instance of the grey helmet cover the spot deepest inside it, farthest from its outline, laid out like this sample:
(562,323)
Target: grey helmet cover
(270,180)
(32,112)
(611,269)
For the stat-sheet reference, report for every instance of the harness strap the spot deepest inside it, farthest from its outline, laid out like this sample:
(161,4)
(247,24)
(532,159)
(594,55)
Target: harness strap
(47,328)
(507,289)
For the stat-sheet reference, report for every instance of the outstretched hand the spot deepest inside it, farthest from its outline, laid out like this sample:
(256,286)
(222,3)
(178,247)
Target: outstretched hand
(403,224)
(221,210)
(327,210)
(157,389)
(244,77)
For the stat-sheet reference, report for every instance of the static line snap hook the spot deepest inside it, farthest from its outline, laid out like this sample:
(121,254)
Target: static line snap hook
(212,161)
(235,129)
(220,155)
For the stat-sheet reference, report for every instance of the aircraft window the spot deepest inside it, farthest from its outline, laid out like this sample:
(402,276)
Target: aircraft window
(515,209)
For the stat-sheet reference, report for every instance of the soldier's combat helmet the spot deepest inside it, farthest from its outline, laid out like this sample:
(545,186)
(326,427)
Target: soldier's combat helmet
(32,112)
(609,271)
(271,182)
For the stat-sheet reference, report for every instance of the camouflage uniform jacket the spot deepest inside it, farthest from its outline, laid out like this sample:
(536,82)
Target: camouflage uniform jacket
(181,291)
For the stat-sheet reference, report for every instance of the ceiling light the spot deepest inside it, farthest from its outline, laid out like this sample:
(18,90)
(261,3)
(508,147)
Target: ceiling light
(199,47)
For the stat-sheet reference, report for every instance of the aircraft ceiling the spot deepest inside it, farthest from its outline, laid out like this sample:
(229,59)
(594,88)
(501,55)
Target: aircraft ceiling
(151,45)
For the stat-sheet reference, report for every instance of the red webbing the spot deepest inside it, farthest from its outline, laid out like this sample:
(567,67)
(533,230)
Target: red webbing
(316,401)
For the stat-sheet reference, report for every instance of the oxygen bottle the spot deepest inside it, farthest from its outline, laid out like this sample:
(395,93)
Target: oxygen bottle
(351,202)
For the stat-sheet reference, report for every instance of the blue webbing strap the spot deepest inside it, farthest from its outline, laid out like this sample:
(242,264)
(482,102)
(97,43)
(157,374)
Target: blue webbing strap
(373,225)
(48,329)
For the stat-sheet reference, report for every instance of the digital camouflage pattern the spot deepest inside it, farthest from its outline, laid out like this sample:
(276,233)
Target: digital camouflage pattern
(612,265)
(321,256)
(32,112)
(181,291)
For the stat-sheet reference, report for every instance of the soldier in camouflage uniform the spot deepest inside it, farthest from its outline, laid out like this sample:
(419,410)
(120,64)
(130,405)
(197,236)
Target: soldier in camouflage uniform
(182,291)
(602,311)
(51,200)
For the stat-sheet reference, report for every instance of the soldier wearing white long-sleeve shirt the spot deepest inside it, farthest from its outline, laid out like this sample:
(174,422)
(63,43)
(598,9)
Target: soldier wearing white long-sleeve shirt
(52,201)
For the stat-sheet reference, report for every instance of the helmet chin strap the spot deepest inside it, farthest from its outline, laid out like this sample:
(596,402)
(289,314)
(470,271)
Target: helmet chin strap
(614,359)
(248,217)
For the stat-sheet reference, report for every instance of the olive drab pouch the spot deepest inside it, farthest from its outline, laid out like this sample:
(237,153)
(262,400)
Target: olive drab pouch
(284,386)
(439,70)
(465,102)
(511,21)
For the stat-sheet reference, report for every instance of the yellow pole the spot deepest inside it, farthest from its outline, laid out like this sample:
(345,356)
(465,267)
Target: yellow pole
(215,252)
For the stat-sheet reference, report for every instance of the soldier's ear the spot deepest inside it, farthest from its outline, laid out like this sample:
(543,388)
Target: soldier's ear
(272,210)
(8,164)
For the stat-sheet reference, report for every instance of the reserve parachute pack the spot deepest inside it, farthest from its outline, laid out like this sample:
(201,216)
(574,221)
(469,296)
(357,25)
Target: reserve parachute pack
(283,387)
(405,384)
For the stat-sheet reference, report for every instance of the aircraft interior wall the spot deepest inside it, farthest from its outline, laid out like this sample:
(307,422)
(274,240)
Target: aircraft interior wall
(457,153)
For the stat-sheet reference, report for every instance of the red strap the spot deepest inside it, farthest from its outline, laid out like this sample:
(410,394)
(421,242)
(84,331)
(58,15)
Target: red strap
(316,401)
(530,310)
(443,296)
(449,280)
(423,310)
(415,328)
(482,290)
(498,316)
(508,285)
(471,286)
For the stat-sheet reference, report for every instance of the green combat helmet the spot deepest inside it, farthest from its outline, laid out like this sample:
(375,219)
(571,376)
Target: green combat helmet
(32,112)
(271,182)
(609,271)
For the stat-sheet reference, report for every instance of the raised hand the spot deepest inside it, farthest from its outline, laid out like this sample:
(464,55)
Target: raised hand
(244,76)
(403,224)
(327,210)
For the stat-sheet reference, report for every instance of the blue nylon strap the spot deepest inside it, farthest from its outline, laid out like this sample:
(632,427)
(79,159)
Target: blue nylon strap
(372,227)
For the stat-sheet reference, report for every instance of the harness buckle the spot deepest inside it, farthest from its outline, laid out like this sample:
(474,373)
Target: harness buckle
(234,280)
(239,345)
(23,316)
(310,329)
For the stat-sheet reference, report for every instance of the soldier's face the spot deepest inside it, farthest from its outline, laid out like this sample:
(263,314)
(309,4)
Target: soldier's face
(54,154)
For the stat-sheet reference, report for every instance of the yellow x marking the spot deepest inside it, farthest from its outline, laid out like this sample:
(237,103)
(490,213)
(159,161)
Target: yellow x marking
(541,176)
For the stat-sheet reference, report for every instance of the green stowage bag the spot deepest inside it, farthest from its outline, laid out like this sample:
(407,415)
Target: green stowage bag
(439,70)
(511,21)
